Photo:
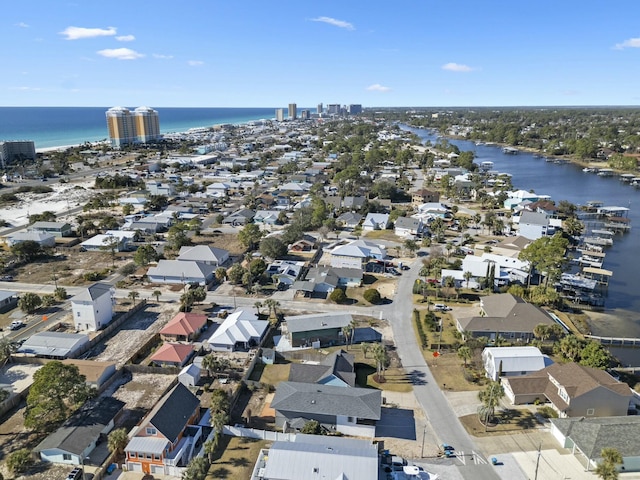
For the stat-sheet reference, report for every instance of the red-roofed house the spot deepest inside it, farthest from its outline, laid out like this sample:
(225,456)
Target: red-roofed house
(173,354)
(184,327)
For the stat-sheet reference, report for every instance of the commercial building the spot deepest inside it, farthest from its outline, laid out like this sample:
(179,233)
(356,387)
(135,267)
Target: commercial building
(333,109)
(319,110)
(354,109)
(11,151)
(124,127)
(305,114)
(293,111)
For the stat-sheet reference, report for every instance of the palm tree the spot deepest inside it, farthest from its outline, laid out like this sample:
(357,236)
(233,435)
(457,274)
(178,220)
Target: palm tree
(365,348)
(133,295)
(258,306)
(467,275)
(608,468)
(117,440)
(464,353)
(381,358)
(157,293)
(490,398)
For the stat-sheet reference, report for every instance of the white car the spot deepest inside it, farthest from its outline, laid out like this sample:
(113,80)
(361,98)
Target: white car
(441,307)
(17,324)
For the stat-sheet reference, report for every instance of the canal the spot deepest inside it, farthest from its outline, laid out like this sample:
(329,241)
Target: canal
(568,182)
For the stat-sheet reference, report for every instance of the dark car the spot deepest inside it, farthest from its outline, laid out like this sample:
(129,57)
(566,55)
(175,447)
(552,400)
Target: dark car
(75,474)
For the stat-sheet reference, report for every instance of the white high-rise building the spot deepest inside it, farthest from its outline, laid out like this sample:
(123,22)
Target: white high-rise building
(280,114)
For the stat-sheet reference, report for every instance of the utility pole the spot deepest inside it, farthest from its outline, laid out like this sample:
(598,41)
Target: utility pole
(537,462)
(424,433)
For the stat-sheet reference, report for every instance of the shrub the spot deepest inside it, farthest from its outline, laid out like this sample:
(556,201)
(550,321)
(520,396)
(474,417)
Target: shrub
(372,296)
(547,412)
(19,460)
(92,276)
(128,269)
(338,296)
(421,334)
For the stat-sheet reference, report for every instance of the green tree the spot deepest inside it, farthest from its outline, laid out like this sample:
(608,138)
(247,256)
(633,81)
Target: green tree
(607,469)
(177,237)
(595,355)
(381,358)
(57,391)
(221,274)
(411,246)
(127,209)
(235,274)
(338,296)
(570,347)
(197,469)
(372,296)
(27,251)
(547,256)
(117,440)
(467,275)
(29,302)
(60,293)
(464,353)
(250,235)
(157,293)
(273,247)
(111,244)
(312,427)
(490,398)
(145,254)
(19,461)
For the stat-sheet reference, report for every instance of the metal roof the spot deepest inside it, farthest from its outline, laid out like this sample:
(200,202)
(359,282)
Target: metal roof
(153,445)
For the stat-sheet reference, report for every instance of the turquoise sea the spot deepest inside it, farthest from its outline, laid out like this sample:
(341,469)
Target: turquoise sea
(61,126)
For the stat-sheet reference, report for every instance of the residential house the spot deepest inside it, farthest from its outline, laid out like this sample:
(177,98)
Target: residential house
(423,196)
(304,245)
(239,217)
(324,280)
(92,308)
(217,190)
(572,389)
(266,217)
(74,441)
(44,239)
(57,345)
(182,272)
(160,188)
(376,221)
(356,254)
(316,329)
(504,315)
(350,411)
(349,220)
(8,301)
(588,437)
(215,257)
(509,247)
(534,225)
(169,436)
(57,229)
(172,355)
(319,456)
(512,361)
(433,210)
(295,187)
(336,369)
(96,373)
(408,227)
(104,242)
(184,327)
(284,272)
(241,330)
(517,197)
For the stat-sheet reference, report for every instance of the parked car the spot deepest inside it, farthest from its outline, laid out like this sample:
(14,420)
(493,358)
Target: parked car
(6,278)
(441,307)
(17,324)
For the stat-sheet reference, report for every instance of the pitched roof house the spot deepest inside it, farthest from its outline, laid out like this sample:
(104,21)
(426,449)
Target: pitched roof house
(356,254)
(337,369)
(215,257)
(375,221)
(240,330)
(181,272)
(184,327)
(511,361)
(93,307)
(573,390)
(316,328)
(172,354)
(504,315)
(167,437)
(351,411)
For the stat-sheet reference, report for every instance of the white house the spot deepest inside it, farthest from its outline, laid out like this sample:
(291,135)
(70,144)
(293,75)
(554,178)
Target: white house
(204,254)
(93,307)
(511,361)
(356,254)
(241,329)
(375,221)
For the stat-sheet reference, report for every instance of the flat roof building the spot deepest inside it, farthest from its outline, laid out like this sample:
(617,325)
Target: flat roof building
(141,126)
(12,151)
(293,111)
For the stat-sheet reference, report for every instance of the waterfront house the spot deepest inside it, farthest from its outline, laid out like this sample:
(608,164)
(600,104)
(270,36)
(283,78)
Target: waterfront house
(92,308)
(534,225)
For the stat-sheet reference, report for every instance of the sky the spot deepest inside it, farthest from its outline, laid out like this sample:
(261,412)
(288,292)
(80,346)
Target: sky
(269,53)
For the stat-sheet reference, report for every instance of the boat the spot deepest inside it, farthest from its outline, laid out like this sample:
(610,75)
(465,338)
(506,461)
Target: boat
(510,150)
(605,172)
(627,177)
(590,170)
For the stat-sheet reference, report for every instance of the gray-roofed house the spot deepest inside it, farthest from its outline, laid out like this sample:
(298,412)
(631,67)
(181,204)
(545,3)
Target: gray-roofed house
(8,300)
(239,217)
(77,437)
(57,229)
(185,272)
(241,330)
(44,239)
(320,456)
(408,227)
(534,225)
(215,257)
(168,436)
(349,220)
(351,411)
(504,315)
(573,390)
(321,329)
(356,254)
(375,221)
(324,280)
(92,308)
(337,369)
(56,345)
(511,361)
(587,437)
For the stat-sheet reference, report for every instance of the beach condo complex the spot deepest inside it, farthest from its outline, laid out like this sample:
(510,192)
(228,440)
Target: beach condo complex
(141,126)
(15,151)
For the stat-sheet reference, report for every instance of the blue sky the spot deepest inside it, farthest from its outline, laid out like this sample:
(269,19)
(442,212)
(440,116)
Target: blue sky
(208,53)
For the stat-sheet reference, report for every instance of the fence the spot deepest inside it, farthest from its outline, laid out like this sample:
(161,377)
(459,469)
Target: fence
(258,434)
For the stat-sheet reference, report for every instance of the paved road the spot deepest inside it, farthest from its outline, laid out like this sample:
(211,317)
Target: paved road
(445,424)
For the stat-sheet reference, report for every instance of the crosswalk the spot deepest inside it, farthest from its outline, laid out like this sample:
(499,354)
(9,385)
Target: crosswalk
(474,457)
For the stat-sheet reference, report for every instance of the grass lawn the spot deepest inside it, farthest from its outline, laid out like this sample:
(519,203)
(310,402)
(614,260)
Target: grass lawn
(448,370)
(238,458)
(384,235)
(270,374)
(509,421)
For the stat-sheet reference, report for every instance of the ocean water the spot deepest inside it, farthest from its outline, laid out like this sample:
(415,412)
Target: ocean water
(61,126)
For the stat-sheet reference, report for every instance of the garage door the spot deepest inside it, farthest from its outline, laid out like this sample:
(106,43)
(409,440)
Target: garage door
(157,469)
(135,467)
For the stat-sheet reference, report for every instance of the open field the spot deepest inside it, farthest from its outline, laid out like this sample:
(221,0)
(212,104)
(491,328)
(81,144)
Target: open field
(237,459)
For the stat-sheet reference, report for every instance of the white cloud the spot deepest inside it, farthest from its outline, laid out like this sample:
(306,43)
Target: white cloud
(629,43)
(27,89)
(126,38)
(22,25)
(376,87)
(335,22)
(195,63)
(76,33)
(162,57)
(120,53)
(456,67)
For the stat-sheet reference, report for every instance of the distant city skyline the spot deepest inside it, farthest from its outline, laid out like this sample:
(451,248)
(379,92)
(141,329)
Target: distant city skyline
(257,54)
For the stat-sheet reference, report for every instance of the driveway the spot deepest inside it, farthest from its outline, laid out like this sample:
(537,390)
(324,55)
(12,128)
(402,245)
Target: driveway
(396,423)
